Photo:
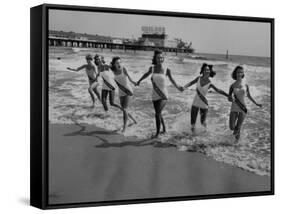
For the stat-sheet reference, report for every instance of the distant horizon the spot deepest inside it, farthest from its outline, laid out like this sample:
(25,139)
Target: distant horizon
(229,54)
(207,35)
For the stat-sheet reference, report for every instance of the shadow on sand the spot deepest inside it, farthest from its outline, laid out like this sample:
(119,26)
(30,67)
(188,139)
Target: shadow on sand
(107,144)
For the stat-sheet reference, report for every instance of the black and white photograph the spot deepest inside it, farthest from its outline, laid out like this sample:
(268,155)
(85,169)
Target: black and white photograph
(145,106)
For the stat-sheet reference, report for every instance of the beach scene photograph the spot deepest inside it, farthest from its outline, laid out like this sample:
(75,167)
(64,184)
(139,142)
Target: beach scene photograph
(152,107)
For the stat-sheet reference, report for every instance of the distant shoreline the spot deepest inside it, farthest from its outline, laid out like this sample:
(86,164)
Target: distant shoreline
(239,59)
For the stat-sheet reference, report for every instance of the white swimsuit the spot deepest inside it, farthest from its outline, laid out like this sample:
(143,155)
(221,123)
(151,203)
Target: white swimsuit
(240,94)
(92,77)
(108,80)
(159,86)
(197,101)
(123,84)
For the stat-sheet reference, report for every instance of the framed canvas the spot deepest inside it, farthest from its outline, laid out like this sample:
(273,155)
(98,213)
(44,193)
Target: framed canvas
(134,106)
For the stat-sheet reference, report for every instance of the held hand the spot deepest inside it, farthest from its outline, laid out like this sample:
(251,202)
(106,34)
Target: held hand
(134,83)
(259,105)
(68,68)
(230,98)
(137,83)
(180,88)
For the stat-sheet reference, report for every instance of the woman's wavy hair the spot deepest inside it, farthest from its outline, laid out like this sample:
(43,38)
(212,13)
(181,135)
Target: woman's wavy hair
(234,73)
(101,58)
(156,52)
(89,56)
(112,63)
(212,72)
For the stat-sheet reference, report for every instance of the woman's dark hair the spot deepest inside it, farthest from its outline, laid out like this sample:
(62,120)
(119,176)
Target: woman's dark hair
(234,73)
(101,58)
(212,72)
(89,56)
(114,59)
(95,57)
(156,52)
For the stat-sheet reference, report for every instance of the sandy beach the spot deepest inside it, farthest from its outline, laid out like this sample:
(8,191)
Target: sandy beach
(90,164)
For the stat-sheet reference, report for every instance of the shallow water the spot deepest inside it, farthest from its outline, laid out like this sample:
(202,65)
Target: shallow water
(69,102)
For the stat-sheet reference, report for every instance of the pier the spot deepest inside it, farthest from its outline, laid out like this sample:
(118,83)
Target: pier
(82,43)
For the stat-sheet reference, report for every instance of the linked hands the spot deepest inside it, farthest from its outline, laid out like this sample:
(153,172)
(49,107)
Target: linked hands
(180,88)
(230,98)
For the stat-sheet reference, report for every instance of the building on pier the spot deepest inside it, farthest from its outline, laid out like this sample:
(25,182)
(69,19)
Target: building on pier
(152,36)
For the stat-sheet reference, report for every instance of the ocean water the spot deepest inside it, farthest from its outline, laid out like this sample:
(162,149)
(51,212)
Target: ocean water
(69,102)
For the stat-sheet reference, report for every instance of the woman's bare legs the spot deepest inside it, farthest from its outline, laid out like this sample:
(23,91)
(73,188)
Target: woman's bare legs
(236,120)
(112,99)
(193,117)
(163,125)
(158,107)
(104,94)
(92,95)
(97,92)
(240,120)
(93,89)
(124,102)
(232,120)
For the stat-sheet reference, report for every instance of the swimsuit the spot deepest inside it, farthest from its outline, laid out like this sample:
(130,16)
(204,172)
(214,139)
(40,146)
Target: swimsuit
(239,104)
(108,79)
(92,77)
(159,86)
(200,99)
(122,82)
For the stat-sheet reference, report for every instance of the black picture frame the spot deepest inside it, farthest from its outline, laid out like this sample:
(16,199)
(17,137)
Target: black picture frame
(39,104)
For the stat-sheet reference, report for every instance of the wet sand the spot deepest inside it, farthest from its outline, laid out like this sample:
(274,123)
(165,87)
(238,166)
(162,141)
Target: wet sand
(89,164)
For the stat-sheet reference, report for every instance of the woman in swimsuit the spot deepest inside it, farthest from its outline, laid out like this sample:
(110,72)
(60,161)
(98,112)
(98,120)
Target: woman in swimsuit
(238,108)
(92,76)
(200,102)
(108,86)
(123,80)
(160,92)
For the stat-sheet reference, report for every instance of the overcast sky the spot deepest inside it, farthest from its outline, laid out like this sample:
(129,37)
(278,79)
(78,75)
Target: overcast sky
(207,35)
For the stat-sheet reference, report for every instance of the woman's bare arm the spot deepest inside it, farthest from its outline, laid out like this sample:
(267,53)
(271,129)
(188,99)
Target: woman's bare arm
(97,72)
(145,76)
(251,98)
(230,99)
(130,79)
(76,69)
(218,90)
(172,80)
(191,83)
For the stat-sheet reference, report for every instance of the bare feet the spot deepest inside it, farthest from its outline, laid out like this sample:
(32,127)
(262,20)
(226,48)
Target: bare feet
(123,130)
(155,136)
(237,136)
(193,129)
(132,118)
